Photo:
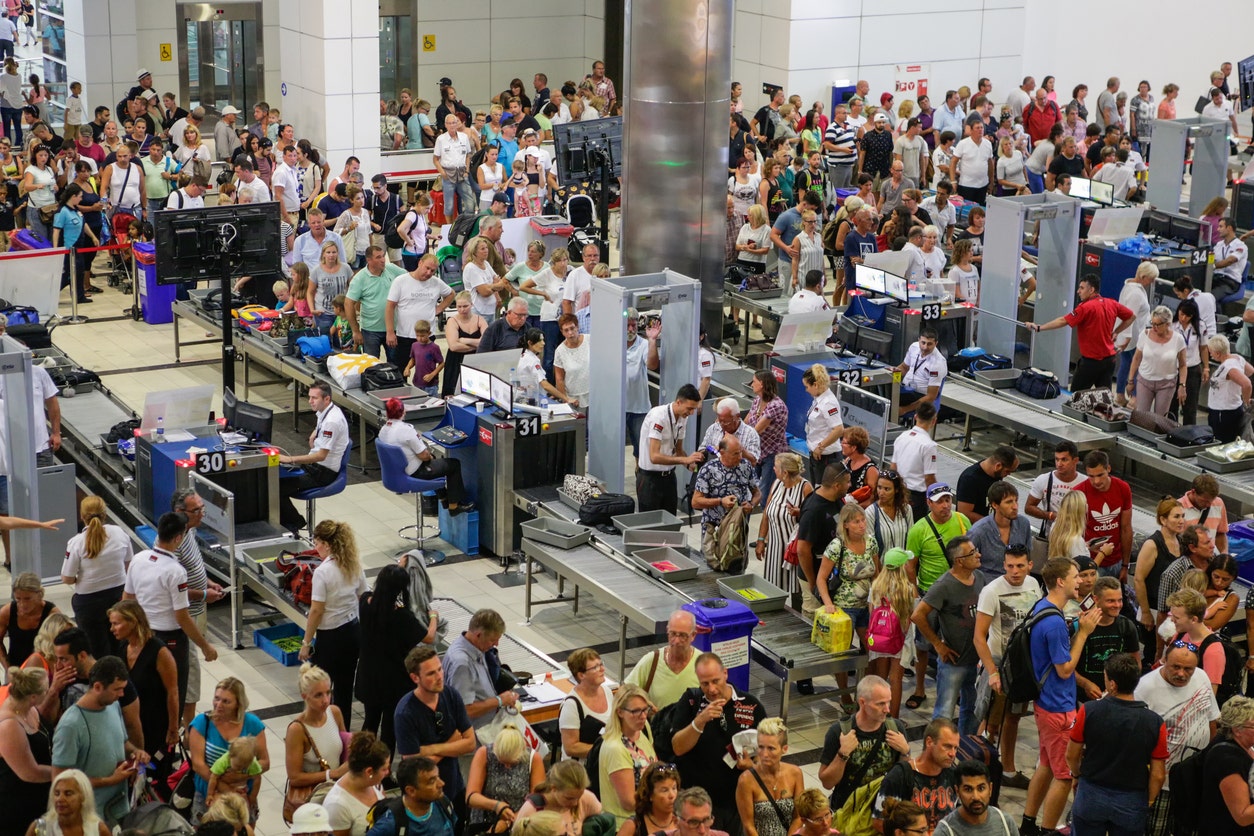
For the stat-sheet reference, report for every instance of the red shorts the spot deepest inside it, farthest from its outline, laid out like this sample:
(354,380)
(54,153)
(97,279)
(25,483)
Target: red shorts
(1054,732)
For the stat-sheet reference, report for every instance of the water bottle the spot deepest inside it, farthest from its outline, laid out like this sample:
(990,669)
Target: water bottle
(160,439)
(544,404)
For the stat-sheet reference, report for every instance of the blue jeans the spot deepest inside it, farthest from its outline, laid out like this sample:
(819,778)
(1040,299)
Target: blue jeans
(466,196)
(372,341)
(1098,811)
(766,476)
(1125,368)
(1036,182)
(955,687)
(12,119)
(324,321)
(635,420)
(1109,570)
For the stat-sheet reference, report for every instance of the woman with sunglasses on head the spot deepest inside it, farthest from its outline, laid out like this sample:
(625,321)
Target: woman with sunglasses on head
(890,516)
(587,710)
(627,750)
(565,792)
(767,793)
(655,802)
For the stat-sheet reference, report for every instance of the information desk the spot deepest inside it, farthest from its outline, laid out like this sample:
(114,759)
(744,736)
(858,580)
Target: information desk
(780,644)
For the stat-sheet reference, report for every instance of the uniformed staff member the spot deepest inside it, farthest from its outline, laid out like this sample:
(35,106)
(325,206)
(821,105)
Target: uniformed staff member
(158,582)
(662,448)
(321,464)
(914,458)
(922,372)
(824,424)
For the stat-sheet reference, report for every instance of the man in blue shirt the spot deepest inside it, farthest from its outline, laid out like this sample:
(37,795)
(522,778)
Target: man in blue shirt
(431,721)
(1055,655)
(422,800)
(788,226)
(950,115)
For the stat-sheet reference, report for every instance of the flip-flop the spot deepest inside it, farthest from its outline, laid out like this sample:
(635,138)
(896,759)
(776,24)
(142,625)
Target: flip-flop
(915,701)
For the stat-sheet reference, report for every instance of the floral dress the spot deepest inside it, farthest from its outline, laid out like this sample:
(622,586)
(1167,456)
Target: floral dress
(850,581)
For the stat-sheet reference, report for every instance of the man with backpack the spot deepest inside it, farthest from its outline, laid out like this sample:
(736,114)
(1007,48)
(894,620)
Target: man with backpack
(420,810)
(975,815)
(928,780)
(861,749)
(1002,605)
(1219,659)
(1054,657)
(667,672)
(1118,749)
(724,484)
(706,718)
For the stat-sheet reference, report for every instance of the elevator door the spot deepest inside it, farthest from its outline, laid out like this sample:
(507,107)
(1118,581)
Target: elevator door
(221,59)
(397,49)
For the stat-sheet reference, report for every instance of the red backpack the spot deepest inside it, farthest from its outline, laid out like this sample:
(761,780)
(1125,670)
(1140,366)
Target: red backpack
(885,634)
(298,569)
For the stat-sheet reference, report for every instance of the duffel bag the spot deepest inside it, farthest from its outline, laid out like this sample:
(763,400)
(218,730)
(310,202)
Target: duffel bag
(1191,435)
(20,315)
(1038,384)
(602,508)
(31,336)
(990,363)
(381,376)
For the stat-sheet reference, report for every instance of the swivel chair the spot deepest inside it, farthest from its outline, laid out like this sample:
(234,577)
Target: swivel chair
(392,464)
(312,495)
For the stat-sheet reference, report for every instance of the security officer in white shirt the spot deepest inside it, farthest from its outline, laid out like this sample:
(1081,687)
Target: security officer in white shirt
(321,464)
(1231,255)
(914,458)
(922,372)
(158,582)
(662,448)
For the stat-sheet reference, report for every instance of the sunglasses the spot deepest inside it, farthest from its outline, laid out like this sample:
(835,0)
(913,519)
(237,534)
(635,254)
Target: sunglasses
(1183,643)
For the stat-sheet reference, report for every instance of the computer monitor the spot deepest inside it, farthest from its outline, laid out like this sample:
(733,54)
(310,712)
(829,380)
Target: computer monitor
(847,332)
(1186,231)
(502,394)
(868,278)
(256,422)
(1160,224)
(1099,192)
(229,402)
(875,343)
(897,288)
(1081,188)
(476,382)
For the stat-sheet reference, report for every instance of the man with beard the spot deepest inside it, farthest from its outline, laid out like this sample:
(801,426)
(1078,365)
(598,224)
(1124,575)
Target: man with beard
(975,816)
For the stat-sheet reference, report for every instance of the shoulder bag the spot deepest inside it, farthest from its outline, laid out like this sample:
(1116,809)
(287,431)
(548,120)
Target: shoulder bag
(784,822)
(1040,542)
(294,797)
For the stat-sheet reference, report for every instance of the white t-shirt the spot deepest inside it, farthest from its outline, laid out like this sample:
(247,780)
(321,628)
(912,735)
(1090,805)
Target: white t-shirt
(574,363)
(1225,393)
(104,571)
(1058,489)
(744,194)
(43,388)
(661,423)
(452,150)
(1224,250)
(1159,361)
(1011,168)
(1008,605)
(973,162)
(257,190)
(1223,111)
(472,277)
(549,283)
(760,238)
(966,282)
(823,417)
(569,716)
(331,434)
(338,593)
(914,457)
(943,216)
(288,178)
(415,300)
(578,289)
(1121,177)
(1187,711)
(405,436)
(1133,297)
(1205,310)
(1017,100)
(530,370)
(345,812)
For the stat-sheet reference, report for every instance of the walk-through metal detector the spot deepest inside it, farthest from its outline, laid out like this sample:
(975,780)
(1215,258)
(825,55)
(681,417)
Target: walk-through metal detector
(1171,149)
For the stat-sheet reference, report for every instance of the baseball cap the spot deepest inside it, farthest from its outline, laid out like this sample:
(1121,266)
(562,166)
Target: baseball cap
(880,117)
(885,98)
(141,72)
(310,818)
(529,132)
(500,197)
(1085,563)
(230,110)
(446,81)
(896,558)
(939,490)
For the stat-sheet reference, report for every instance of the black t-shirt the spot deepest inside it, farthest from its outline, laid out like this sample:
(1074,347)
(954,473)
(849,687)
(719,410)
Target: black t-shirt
(817,523)
(936,794)
(1061,165)
(973,487)
(735,149)
(417,725)
(1223,760)
(1094,154)
(885,756)
(1118,637)
(703,765)
(382,210)
(766,125)
(977,241)
(6,213)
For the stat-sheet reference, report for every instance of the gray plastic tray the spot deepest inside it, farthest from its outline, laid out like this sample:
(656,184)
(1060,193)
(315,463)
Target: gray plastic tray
(728,287)
(1144,434)
(405,393)
(1219,466)
(999,378)
(567,499)
(645,538)
(687,567)
(1071,412)
(1178,452)
(260,559)
(1108,426)
(774,599)
(564,535)
(648,519)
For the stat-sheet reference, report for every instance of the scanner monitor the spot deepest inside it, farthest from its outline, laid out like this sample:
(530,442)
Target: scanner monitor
(1081,188)
(1160,224)
(502,394)
(256,422)
(1099,192)
(896,288)
(847,332)
(869,278)
(476,382)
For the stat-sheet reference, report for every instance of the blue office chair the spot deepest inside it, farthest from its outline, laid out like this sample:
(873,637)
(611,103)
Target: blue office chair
(1238,294)
(392,464)
(312,495)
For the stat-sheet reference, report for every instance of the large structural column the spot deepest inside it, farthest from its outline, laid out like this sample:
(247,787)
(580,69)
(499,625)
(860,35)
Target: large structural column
(675,143)
(100,51)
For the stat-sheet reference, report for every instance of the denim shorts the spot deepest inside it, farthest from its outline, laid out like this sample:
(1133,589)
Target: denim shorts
(861,617)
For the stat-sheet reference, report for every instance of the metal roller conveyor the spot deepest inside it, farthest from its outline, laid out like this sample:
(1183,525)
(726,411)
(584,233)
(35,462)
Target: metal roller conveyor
(1234,487)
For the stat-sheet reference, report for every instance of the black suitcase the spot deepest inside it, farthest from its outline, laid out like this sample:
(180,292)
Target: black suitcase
(32,336)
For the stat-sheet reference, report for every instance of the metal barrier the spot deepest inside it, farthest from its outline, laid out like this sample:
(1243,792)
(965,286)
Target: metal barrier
(74,317)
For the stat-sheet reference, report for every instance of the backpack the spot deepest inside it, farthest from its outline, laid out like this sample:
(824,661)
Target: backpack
(730,548)
(602,508)
(381,376)
(1234,666)
(663,723)
(391,235)
(1018,677)
(481,156)
(395,804)
(463,228)
(989,363)
(884,635)
(851,782)
(298,569)
(1187,783)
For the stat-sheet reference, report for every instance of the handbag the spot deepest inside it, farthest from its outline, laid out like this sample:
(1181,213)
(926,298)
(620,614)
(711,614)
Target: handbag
(790,553)
(580,488)
(294,797)
(47,213)
(1038,384)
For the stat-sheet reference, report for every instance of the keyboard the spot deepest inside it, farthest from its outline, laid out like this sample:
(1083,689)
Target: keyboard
(447,436)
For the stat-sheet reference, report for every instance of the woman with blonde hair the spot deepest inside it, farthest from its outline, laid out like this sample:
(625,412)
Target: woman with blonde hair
(25,750)
(904,111)
(231,808)
(502,775)
(209,737)
(313,745)
(1066,533)
(894,588)
(627,750)
(71,809)
(543,823)
(767,793)
(815,812)
(338,583)
(154,674)
(328,279)
(809,242)
(95,564)
(193,154)
(1230,389)
(565,792)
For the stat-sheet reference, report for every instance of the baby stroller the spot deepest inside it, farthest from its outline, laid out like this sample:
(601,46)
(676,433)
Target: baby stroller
(582,215)
(120,260)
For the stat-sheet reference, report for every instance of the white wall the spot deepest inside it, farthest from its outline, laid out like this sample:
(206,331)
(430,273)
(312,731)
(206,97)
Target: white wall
(100,50)
(1159,40)
(806,45)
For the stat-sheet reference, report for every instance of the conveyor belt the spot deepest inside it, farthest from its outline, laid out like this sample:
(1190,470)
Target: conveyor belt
(1038,423)
(1237,489)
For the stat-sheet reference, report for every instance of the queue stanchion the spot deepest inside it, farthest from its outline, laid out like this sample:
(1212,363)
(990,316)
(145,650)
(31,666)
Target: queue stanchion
(137,312)
(73,318)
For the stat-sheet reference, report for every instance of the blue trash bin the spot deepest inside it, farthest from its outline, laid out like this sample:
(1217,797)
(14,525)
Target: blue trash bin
(724,627)
(155,300)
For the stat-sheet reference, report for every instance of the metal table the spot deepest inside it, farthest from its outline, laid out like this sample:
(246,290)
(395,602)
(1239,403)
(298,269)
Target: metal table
(1237,489)
(773,308)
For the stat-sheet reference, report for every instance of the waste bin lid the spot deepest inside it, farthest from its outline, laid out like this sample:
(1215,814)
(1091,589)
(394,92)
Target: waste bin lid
(721,613)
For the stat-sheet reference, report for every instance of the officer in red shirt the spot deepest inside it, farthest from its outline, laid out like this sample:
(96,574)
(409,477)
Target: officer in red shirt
(1094,321)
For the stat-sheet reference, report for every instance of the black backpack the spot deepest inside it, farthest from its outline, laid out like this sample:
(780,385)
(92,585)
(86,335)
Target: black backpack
(391,234)
(663,726)
(1234,665)
(481,156)
(1018,677)
(465,227)
(381,376)
(1187,786)
(602,508)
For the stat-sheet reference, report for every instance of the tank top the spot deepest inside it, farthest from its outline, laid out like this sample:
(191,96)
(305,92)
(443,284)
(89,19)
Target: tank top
(21,640)
(327,738)
(25,801)
(506,785)
(124,189)
(1164,559)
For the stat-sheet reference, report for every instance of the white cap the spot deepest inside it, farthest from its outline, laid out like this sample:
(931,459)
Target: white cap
(230,110)
(310,818)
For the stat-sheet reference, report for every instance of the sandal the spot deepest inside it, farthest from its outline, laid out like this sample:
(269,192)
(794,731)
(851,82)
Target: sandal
(915,701)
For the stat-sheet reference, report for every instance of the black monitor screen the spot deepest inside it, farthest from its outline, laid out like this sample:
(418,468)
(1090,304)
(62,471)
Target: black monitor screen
(1103,193)
(583,149)
(897,288)
(195,244)
(1187,231)
(847,332)
(229,402)
(1160,224)
(875,343)
(256,422)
